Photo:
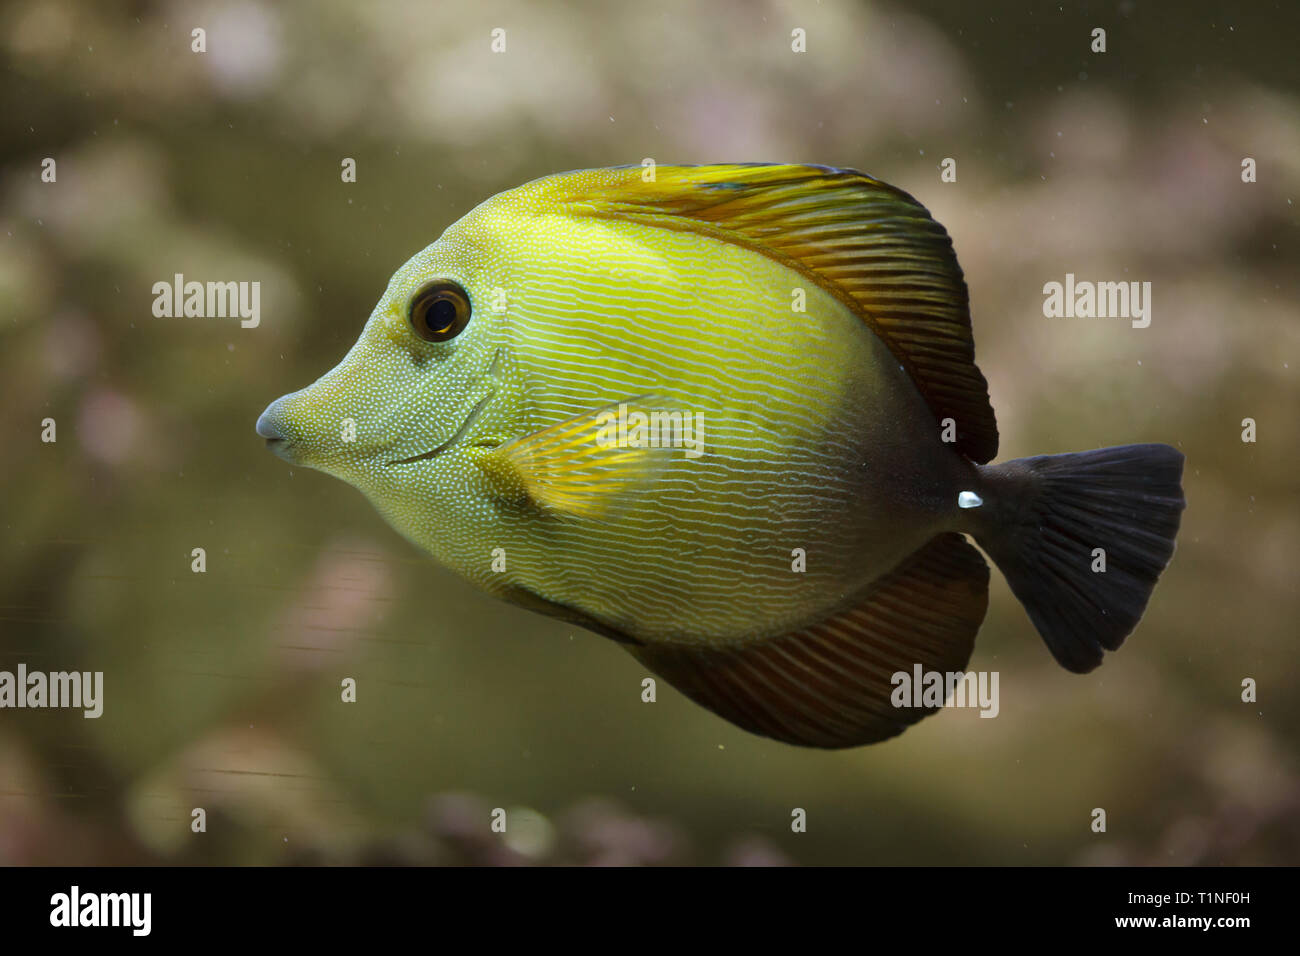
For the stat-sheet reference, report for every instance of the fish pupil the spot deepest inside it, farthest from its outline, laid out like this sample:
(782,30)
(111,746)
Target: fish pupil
(441,315)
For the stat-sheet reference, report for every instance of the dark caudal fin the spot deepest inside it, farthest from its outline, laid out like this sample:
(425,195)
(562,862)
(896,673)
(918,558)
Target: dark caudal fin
(1058,520)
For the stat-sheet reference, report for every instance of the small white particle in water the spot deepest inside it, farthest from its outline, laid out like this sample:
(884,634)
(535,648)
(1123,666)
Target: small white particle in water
(968,499)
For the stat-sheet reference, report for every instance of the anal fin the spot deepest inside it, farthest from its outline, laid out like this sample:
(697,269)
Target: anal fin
(829,685)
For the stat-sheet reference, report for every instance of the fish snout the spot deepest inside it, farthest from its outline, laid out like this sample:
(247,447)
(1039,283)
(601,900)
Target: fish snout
(269,428)
(272,426)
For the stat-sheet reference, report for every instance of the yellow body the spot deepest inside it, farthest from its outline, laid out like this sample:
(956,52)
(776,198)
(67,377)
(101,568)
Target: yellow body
(785,542)
(818,449)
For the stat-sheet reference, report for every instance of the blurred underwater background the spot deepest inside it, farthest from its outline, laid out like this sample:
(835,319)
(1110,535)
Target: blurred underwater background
(222,689)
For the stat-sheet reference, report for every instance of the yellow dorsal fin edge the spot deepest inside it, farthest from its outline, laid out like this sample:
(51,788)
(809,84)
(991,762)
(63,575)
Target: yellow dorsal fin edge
(869,244)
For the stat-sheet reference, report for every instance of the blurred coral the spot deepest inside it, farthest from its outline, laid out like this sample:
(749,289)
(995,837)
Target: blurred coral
(223,687)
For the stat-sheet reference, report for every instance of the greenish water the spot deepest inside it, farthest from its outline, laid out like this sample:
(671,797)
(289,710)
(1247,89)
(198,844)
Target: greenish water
(222,689)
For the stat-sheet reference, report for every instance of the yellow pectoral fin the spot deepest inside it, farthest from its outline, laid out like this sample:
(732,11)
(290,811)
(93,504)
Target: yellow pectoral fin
(589,466)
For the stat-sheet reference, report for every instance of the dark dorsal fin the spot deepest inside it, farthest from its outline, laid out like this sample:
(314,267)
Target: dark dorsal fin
(869,244)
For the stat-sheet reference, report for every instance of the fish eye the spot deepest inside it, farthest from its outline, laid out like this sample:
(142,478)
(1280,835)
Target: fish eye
(439,311)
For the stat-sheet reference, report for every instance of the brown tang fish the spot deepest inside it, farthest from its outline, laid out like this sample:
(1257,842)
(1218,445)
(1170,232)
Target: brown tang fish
(730,417)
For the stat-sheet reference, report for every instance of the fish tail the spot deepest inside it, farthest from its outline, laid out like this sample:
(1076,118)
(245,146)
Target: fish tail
(1082,538)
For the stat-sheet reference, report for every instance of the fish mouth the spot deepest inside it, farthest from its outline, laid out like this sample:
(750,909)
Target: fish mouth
(280,448)
(475,413)
(270,427)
